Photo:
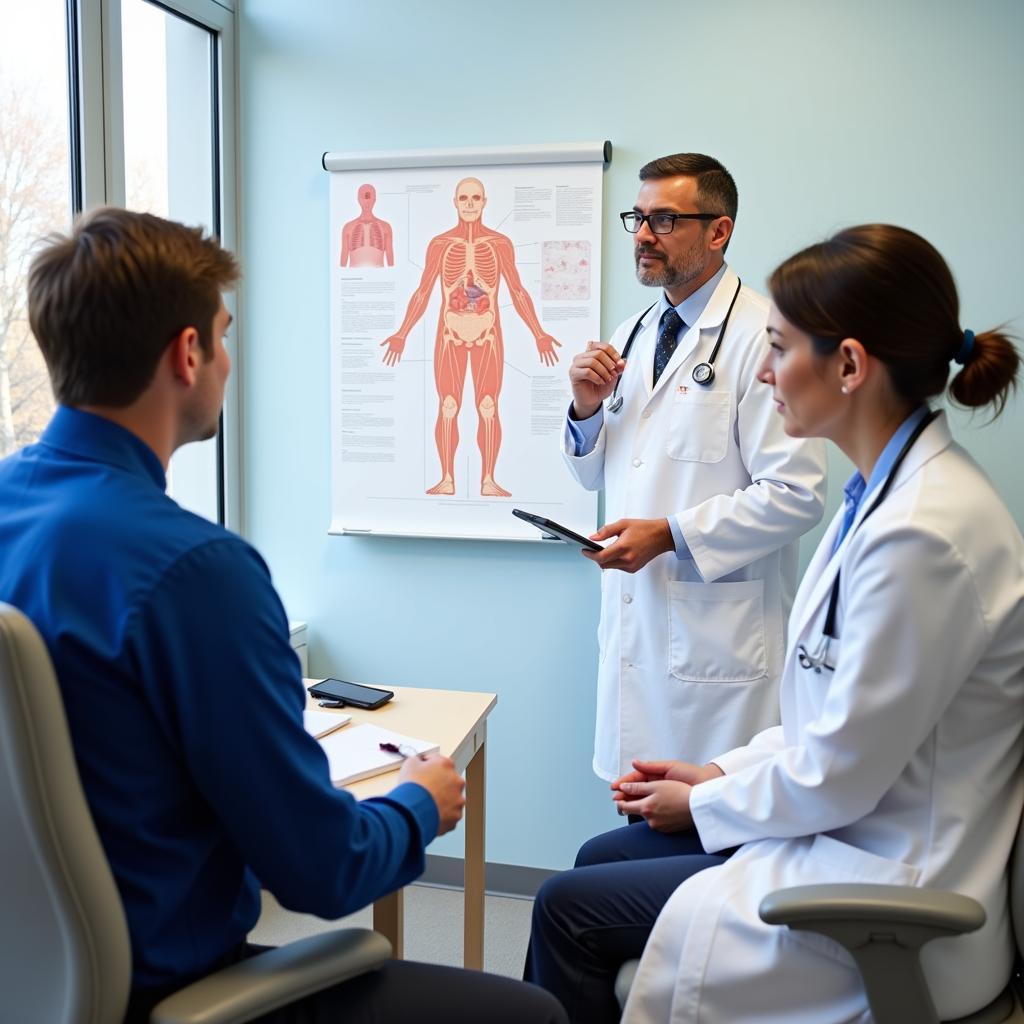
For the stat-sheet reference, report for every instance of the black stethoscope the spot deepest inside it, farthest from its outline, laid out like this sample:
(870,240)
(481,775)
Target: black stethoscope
(703,373)
(819,660)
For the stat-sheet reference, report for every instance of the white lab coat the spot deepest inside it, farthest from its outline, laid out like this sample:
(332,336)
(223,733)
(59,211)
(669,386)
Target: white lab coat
(691,650)
(903,766)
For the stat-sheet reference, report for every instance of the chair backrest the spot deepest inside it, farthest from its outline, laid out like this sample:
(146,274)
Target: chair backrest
(65,957)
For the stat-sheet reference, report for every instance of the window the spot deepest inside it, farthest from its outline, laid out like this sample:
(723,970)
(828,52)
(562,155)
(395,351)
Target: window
(170,168)
(121,102)
(35,196)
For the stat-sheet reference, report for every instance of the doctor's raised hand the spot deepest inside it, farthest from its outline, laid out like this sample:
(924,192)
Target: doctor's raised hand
(592,376)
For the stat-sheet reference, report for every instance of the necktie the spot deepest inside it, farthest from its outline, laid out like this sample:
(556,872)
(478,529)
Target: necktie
(671,323)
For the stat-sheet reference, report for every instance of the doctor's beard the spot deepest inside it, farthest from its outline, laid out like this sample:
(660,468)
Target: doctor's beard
(686,267)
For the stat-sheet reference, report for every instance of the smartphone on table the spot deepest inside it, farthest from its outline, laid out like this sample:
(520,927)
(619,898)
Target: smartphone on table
(350,694)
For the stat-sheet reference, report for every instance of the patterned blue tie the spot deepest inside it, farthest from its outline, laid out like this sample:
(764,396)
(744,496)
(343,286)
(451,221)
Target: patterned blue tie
(671,322)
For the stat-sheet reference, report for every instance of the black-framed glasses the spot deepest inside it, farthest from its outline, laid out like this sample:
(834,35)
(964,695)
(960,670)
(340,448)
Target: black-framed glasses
(660,223)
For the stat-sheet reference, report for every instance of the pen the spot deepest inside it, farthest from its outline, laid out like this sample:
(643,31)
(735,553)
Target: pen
(403,750)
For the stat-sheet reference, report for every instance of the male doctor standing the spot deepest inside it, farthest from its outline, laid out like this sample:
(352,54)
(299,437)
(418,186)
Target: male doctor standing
(706,496)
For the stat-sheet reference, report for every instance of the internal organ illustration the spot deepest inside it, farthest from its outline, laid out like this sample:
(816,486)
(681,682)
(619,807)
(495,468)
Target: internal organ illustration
(366,241)
(470,261)
(468,296)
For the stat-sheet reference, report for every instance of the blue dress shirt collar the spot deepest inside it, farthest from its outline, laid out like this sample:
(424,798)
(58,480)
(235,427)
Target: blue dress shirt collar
(857,489)
(691,308)
(93,437)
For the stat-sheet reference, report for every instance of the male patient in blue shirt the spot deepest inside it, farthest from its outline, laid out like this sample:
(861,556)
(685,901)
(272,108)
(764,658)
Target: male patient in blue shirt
(183,696)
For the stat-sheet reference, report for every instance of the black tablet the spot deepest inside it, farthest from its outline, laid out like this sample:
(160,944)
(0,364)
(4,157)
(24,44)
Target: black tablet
(553,529)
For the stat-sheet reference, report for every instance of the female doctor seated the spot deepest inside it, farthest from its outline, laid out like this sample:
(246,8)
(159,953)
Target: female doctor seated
(898,759)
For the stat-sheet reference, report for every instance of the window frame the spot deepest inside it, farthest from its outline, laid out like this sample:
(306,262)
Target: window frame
(97,126)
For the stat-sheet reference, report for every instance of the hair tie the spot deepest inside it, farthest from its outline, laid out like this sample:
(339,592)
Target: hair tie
(966,347)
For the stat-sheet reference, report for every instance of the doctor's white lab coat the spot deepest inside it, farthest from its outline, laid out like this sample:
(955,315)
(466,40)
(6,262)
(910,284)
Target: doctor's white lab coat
(691,649)
(902,766)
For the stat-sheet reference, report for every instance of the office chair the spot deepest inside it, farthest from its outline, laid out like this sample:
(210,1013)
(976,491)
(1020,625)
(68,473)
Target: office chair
(64,951)
(883,927)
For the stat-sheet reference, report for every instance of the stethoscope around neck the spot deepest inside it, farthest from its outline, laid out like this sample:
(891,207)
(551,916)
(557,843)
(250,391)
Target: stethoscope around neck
(703,373)
(818,661)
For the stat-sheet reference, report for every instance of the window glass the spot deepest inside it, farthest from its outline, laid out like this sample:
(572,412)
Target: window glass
(35,196)
(170,167)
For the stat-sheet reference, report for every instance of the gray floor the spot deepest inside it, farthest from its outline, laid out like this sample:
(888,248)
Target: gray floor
(433,927)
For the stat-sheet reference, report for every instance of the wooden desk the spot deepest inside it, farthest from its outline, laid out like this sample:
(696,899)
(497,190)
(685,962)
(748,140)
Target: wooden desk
(457,721)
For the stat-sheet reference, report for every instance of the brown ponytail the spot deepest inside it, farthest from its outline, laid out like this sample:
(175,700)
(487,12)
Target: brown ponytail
(989,374)
(892,291)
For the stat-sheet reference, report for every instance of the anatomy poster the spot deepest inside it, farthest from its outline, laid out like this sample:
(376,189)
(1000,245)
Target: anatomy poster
(459,295)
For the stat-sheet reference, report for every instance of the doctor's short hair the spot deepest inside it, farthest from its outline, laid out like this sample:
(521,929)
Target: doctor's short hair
(891,290)
(716,190)
(105,301)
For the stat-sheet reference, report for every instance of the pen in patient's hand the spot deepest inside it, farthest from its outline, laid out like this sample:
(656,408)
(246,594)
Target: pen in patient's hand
(403,751)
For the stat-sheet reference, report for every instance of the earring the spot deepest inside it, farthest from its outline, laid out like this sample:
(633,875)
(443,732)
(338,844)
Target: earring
(845,390)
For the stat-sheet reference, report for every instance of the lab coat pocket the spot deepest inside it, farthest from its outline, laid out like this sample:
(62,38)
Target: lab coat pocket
(716,631)
(699,425)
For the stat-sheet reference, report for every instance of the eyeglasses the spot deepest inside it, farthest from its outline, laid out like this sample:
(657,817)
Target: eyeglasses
(661,223)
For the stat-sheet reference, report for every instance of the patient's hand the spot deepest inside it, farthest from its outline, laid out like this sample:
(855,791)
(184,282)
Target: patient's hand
(437,775)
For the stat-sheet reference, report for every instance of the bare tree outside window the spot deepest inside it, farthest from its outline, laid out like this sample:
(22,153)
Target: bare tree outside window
(33,202)
(34,198)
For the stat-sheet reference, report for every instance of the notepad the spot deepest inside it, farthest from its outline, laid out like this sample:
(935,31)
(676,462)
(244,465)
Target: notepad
(355,753)
(320,723)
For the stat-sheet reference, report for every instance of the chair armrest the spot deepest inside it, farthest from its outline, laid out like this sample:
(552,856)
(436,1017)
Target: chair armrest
(262,983)
(947,913)
(883,927)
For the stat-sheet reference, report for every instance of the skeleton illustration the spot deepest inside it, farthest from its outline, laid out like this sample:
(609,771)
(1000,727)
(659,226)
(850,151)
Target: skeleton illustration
(470,260)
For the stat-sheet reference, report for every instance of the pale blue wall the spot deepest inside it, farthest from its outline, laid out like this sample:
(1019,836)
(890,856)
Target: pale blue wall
(827,113)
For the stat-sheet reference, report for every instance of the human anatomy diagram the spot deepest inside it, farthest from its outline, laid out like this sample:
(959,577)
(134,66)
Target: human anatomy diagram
(470,260)
(366,241)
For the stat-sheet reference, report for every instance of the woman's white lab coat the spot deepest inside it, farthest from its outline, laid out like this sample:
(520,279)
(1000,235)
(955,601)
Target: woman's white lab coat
(691,650)
(903,766)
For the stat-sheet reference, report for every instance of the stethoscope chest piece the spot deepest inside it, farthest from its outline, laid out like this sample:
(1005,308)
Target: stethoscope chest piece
(703,373)
(819,660)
